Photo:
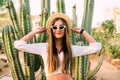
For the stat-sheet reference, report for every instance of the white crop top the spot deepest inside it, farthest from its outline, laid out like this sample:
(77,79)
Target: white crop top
(41,49)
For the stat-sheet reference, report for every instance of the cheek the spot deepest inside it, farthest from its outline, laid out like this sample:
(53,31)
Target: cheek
(53,32)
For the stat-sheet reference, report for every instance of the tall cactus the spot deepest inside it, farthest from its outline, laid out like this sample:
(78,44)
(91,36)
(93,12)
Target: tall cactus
(60,6)
(81,64)
(12,54)
(28,58)
(88,15)
(45,4)
(20,29)
(14,18)
(86,24)
(23,26)
(45,7)
(75,60)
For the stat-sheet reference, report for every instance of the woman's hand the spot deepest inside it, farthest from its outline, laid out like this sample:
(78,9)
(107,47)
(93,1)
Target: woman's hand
(88,37)
(76,30)
(39,30)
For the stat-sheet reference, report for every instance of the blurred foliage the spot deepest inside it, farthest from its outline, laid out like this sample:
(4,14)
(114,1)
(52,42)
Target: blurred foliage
(4,22)
(115,50)
(109,28)
(2,2)
(4,19)
(106,34)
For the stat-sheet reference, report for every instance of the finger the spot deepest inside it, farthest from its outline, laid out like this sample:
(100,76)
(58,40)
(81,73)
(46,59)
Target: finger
(43,30)
(73,30)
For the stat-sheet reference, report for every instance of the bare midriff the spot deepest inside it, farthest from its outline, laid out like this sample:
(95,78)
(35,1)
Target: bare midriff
(60,76)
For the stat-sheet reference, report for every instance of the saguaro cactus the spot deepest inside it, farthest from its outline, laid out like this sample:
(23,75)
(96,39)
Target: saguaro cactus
(81,64)
(19,29)
(22,25)
(12,54)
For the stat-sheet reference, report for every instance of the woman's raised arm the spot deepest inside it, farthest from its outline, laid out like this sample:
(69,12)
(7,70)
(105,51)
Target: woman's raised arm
(88,37)
(37,30)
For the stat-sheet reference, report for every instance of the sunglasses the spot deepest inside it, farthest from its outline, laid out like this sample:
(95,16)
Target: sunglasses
(61,27)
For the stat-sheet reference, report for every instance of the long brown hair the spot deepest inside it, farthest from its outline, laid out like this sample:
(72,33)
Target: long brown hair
(53,60)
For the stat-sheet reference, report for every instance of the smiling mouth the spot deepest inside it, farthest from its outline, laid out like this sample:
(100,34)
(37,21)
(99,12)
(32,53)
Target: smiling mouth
(58,33)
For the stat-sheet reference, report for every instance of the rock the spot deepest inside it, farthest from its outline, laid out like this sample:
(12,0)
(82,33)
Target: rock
(115,62)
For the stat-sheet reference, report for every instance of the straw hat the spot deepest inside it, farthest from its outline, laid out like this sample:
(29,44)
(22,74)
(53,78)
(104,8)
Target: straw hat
(58,15)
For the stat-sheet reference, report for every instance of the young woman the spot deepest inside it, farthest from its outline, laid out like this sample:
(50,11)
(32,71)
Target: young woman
(57,53)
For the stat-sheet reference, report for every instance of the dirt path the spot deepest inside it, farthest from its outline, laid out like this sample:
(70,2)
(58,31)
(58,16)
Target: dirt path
(107,70)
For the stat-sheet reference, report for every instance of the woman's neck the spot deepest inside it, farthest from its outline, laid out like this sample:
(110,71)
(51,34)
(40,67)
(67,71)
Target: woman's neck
(58,42)
(59,45)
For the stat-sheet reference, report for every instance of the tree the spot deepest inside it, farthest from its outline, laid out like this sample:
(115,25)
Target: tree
(105,35)
(109,28)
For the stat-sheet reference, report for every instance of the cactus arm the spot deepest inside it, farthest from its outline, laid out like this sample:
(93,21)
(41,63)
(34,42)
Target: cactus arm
(47,6)
(60,6)
(14,19)
(12,54)
(96,68)
(76,67)
(57,5)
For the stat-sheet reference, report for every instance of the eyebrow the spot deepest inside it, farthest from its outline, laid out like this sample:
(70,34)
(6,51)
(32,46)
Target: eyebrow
(59,25)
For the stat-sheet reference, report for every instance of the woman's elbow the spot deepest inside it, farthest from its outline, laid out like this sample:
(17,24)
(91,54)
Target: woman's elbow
(98,46)
(18,45)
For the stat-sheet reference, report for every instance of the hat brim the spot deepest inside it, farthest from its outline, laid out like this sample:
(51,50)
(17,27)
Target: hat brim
(58,15)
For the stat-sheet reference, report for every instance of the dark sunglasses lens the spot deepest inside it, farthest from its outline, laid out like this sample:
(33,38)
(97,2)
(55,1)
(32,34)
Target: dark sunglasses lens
(61,27)
(54,27)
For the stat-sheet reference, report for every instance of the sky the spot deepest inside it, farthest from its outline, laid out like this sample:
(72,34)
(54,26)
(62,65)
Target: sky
(100,6)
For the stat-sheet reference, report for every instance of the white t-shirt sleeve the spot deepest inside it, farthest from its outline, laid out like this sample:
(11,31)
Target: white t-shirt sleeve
(36,48)
(85,50)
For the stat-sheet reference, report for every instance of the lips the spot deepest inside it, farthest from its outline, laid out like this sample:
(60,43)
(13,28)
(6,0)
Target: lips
(58,33)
